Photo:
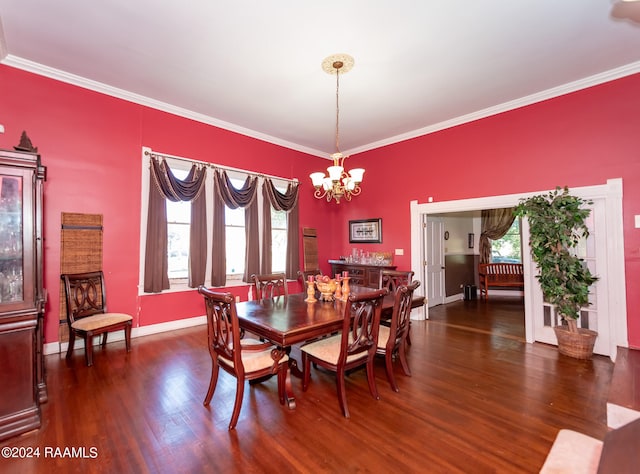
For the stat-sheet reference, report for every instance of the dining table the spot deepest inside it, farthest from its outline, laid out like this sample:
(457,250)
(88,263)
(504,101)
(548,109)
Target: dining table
(288,320)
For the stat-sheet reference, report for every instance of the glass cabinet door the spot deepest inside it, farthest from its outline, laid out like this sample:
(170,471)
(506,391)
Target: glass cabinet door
(16,235)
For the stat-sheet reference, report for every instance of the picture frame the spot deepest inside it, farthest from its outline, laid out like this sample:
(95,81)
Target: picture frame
(365,231)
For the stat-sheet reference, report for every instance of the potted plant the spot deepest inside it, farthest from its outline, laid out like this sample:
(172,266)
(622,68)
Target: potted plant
(557,224)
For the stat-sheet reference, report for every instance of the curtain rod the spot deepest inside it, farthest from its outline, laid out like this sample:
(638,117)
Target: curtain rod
(215,166)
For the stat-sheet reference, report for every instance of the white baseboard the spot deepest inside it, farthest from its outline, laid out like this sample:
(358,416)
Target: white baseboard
(57,347)
(452,298)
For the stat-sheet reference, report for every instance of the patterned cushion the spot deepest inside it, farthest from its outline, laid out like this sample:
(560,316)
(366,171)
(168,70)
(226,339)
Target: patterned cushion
(328,350)
(255,360)
(383,336)
(98,321)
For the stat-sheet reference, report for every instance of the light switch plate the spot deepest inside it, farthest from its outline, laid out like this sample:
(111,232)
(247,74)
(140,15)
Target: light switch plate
(637,221)
(399,251)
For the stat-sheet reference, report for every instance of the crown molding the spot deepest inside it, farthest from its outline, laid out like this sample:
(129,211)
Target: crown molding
(36,68)
(564,89)
(95,86)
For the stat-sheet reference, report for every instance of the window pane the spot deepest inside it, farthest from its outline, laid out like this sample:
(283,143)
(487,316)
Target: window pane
(278,240)
(508,248)
(178,248)
(278,250)
(234,217)
(178,226)
(235,241)
(278,219)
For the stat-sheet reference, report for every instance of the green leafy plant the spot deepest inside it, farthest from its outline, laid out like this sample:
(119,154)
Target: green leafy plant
(557,222)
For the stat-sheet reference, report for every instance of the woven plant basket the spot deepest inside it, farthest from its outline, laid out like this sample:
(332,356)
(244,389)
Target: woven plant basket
(577,345)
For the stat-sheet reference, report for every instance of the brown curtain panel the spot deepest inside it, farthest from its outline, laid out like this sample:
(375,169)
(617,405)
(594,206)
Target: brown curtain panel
(495,224)
(198,241)
(164,185)
(287,201)
(156,262)
(219,250)
(252,250)
(266,266)
(293,243)
(244,197)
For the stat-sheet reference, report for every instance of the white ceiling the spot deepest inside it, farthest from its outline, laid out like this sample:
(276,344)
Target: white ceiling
(254,66)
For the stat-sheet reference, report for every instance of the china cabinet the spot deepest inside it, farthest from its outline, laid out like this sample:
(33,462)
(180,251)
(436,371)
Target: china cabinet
(22,297)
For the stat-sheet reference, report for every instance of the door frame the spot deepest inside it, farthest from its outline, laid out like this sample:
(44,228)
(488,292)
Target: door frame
(611,191)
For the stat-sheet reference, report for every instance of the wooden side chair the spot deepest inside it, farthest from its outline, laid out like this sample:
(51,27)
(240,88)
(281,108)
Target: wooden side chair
(270,286)
(354,347)
(245,359)
(87,314)
(392,339)
(392,279)
(303,276)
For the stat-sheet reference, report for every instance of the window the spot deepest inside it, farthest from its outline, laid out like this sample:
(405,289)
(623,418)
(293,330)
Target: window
(278,240)
(508,248)
(235,239)
(179,228)
(178,225)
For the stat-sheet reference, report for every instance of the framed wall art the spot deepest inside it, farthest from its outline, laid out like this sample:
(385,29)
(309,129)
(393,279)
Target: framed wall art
(365,231)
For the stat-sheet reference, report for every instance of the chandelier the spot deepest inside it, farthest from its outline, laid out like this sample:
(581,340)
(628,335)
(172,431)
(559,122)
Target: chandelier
(338,184)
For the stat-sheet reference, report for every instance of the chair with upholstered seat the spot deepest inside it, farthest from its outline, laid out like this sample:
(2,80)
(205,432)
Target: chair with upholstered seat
(354,347)
(245,359)
(87,314)
(270,286)
(392,279)
(392,339)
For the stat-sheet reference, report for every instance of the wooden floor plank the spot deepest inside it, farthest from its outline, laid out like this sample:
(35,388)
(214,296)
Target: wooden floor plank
(480,400)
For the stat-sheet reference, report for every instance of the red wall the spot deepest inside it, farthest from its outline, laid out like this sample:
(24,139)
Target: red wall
(91,145)
(579,139)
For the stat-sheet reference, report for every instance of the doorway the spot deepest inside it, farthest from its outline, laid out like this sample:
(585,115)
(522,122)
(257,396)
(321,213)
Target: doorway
(452,242)
(612,312)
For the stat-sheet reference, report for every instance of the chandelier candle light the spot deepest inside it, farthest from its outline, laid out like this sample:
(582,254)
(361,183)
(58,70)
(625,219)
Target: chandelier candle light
(339,184)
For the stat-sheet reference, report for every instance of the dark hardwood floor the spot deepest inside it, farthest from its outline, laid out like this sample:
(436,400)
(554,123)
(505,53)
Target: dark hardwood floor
(502,316)
(479,401)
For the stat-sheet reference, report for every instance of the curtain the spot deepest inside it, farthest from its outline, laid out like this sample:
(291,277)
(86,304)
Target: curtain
(198,241)
(219,250)
(266,262)
(244,197)
(164,185)
(252,232)
(156,264)
(287,201)
(495,224)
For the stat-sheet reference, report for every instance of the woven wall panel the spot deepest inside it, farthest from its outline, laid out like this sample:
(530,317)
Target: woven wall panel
(80,251)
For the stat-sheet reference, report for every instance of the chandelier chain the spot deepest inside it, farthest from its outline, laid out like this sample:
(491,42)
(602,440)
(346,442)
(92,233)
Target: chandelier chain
(338,110)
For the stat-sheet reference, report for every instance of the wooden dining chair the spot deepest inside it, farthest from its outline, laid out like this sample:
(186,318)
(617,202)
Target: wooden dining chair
(392,339)
(392,279)
(87,314)
(245,359)
(354,347)
(270,286)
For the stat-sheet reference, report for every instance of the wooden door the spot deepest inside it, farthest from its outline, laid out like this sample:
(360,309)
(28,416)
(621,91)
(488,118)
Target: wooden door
(434,261)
